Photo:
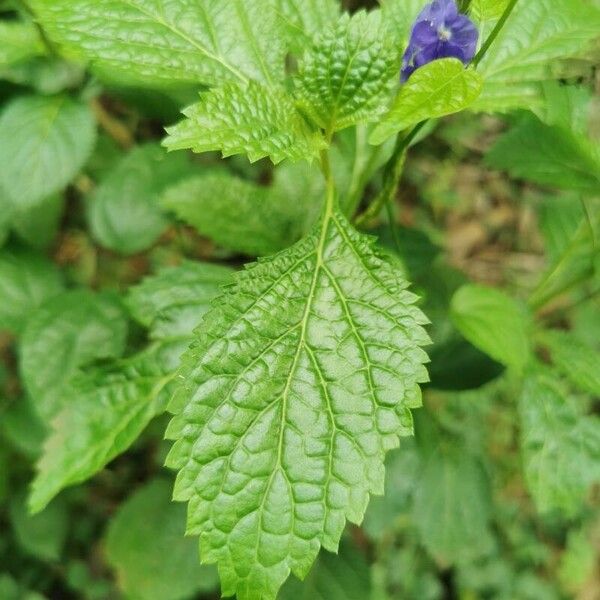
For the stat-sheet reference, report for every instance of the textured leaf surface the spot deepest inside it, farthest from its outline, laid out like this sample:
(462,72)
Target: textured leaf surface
(561,447)
(400,15)
(289,400)
(45,142)
(349,74)
(160,41)
(547,155)
(438,89)
(345,576)
(494,323)
(246,119)
(577,361)
(536,35)
(248,218)
(105,412)
(123,213)
(18,41)
(304,19)
(68,332)
(26,281)
(155,563)
(453,479)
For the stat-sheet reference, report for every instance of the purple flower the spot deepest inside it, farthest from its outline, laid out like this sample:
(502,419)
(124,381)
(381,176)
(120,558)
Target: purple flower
(440,31)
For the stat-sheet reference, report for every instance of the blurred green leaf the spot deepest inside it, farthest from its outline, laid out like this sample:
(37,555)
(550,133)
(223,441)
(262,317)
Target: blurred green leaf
(155,563)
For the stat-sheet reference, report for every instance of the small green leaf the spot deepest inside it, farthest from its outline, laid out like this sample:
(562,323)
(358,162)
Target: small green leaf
(104,413)
(46,141)
(440,88)
(345,576)
(349,74)
(535,37)
(577,361)
(43,535)
(547,155)
(288,402)
(246,119)
(155,563)
(67,332)
(123,212)
(161,43)
(560,447)
(18,41)
(248,218)
(26,281)
(487,10)
(494,323)
(38,225)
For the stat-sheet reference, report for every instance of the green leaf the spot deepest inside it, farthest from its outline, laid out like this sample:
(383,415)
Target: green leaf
(288,402)
(535,37)
(26,281)
(246,119)
(440,88)
(452,505)
(18,41)
(553,156)
(42,536)
(577,361)
(487,10)
(345,576)
(494,323)
(46,141)
(349,74)
(560,447)
(248,218)
(38,225)
(69,331)
(104,413)
(304,19)
(124,214)
(158,42)
(155,563)
(172,303)
(400,16)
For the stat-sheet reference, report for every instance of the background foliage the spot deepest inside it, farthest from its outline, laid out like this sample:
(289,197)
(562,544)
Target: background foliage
(113,249)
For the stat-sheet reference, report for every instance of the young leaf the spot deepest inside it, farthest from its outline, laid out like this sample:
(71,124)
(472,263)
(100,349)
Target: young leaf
(157,42)
(104,413)
(487,10)
(67,332)
(45,142)
(577,361)
(547,155)
(155,563)
(561,448)
(246,119)
(440,88)
(494,323)
(288,402)
(123,212)
(304,19)
(18,41)
(536,35)
(249,218)
(26,281)
(349,74)
(345,576)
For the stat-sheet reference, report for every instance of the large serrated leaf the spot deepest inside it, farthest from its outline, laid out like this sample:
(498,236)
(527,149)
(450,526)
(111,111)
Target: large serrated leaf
(104,413)
(349,74)
(536,35)
(440,88)
(45,142)
(301,378)
(560,446)
(246,119)
(158,42)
